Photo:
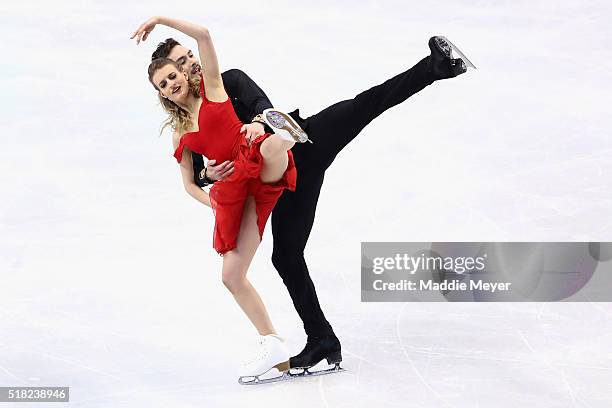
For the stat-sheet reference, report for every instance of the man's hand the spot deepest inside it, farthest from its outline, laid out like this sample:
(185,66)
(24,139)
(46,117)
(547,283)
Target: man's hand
(145,28)
(218,172)
(252,130)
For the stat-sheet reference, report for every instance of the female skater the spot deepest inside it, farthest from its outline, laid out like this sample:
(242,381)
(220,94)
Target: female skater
(205,122)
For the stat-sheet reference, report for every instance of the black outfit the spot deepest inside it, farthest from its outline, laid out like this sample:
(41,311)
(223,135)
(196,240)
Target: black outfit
(330,130)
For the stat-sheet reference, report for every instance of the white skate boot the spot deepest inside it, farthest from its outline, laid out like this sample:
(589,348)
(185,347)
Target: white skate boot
(285,126)
(272,354)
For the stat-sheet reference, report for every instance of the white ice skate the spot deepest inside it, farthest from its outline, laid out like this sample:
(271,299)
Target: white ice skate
(284,126)
(272,356)
(455,50)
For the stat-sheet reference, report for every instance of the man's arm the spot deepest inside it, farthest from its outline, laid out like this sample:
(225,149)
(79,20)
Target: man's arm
(198,167)
(240,85)
(204,176)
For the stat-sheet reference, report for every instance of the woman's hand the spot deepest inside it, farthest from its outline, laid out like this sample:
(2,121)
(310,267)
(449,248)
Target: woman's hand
(145,28)
(251,131)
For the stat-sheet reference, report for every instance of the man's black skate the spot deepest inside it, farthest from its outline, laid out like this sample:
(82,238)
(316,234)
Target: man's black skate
(442,63)
(316,350)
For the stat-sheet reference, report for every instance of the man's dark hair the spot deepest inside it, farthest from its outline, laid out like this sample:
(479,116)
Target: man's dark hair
(163,49)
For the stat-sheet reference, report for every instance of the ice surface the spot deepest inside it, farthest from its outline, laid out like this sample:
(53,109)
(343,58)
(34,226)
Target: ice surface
(109,282)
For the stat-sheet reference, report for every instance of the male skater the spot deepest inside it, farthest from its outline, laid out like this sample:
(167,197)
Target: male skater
(330,131)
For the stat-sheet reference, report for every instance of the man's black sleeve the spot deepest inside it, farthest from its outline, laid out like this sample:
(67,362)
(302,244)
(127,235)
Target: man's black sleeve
(198,166)
(243,90)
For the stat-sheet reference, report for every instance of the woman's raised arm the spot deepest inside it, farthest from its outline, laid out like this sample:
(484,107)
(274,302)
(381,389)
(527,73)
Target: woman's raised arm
(210,65)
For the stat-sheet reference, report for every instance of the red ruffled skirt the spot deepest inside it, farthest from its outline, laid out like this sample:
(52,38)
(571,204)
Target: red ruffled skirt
(228,196)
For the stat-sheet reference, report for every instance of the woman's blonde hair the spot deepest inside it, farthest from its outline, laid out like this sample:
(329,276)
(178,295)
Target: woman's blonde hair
(178,119)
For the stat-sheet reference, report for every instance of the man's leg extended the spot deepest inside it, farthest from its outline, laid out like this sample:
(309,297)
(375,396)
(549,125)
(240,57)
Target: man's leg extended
(334,127)
(292,218)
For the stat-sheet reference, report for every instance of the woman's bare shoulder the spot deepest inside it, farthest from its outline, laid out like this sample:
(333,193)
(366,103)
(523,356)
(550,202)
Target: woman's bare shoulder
(176,137)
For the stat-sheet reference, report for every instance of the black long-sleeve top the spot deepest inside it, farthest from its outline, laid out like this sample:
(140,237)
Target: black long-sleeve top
(248,100)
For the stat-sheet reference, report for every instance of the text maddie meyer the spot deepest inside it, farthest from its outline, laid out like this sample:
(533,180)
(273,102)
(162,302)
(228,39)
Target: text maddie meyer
(450,285)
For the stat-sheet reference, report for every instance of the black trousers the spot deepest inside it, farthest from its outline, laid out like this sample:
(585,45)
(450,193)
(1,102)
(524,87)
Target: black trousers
(292,218)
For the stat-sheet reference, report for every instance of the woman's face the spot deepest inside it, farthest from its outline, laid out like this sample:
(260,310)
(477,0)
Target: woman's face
(171,83)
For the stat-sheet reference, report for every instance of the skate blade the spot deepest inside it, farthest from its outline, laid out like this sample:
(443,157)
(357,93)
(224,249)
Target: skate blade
(308,372)
(281,368)
(256,380)
(282,121)
(460,53)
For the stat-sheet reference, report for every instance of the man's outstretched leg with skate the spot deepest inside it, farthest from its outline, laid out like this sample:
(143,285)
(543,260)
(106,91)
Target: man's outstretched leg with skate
(331,130)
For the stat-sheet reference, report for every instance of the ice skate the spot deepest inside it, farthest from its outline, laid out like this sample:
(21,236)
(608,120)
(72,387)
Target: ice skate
(285,126)
(272,358)
(317,349)
(444,62)
(455,49)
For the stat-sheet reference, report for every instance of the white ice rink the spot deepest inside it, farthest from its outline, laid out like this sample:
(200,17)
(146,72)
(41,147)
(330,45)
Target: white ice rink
(109,283)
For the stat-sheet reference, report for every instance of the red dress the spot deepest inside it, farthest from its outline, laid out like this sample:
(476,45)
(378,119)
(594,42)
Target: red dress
(219,138)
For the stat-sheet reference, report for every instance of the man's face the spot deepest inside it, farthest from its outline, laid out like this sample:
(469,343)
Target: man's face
(186,60)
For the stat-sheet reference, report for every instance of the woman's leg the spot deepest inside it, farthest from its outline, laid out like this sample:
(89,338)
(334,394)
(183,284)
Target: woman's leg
(274,151)
(235,266)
